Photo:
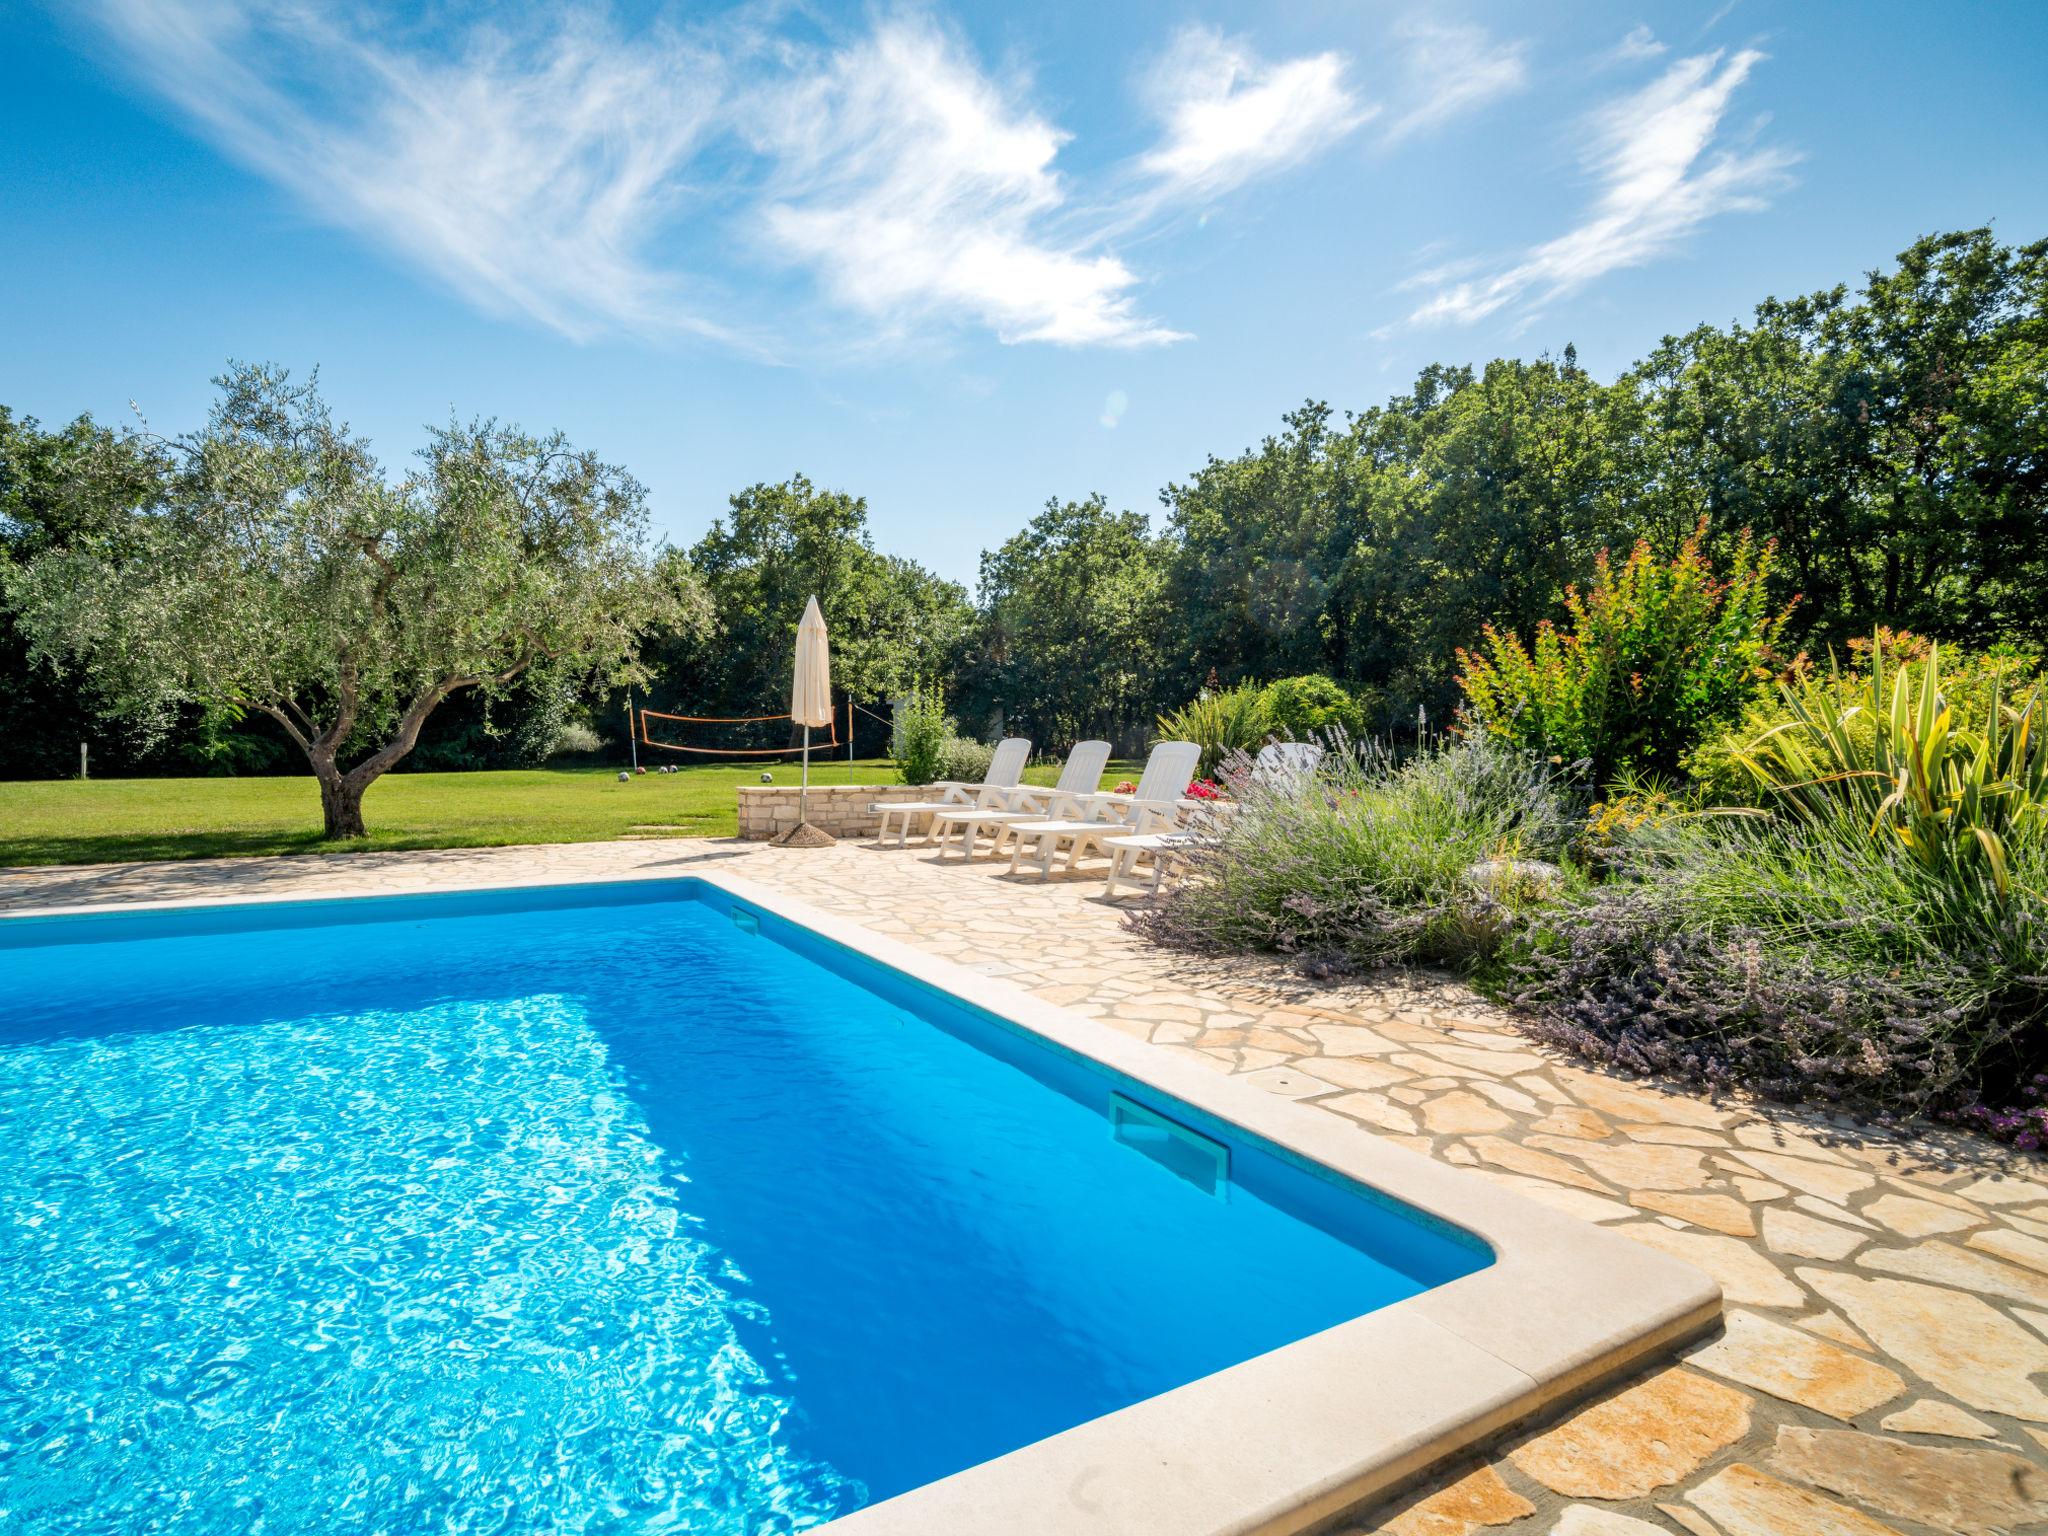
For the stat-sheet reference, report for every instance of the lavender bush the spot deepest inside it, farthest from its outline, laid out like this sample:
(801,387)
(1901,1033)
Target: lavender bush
(1799,962)
(1374,863)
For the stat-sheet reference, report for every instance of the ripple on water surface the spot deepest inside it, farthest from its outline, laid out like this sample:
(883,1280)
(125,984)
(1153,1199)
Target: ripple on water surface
(397,1271)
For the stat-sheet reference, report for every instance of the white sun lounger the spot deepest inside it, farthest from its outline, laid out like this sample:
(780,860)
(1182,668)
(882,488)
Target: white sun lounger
(1282,764)
(1005,768)
(1027,802)
(1081,822)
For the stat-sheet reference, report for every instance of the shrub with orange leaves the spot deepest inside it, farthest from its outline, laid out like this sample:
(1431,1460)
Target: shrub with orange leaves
(1654,655)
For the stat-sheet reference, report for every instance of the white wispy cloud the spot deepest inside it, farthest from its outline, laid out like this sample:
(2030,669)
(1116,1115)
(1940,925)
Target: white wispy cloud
(1658,159)
(918,188)
(1450,71)
(600,181)
(528,172)
(1641,43)
(1227,115)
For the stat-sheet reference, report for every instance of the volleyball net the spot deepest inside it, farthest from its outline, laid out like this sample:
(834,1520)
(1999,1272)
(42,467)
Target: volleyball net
(752,728)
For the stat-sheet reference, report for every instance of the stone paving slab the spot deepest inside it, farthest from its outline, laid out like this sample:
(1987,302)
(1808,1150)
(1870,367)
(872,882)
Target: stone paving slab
(1884,1366)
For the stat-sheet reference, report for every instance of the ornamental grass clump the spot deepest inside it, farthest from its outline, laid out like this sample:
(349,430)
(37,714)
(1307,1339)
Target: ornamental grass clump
(1221,721)
(1958,791)
(1969,678)
(1373,863)
(1245,717)
(922,732)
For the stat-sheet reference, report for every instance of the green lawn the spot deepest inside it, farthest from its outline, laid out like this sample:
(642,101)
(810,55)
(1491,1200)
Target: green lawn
(67,822)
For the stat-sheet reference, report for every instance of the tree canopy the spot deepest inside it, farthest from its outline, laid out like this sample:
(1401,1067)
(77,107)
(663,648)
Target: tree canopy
(1887,441)
(893,623)
(1074,634)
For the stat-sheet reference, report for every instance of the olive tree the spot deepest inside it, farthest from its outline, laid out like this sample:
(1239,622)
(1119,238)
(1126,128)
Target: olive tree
(282,572)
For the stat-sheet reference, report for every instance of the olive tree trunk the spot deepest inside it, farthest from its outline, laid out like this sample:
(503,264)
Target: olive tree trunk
(341,794)
(341,806)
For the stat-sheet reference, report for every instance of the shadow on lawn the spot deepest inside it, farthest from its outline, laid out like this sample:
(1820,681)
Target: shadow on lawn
(113,847)
(86,849)
(78,884)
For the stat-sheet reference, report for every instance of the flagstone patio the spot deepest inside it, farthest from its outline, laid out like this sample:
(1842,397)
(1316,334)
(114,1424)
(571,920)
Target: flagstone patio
(1884,1366)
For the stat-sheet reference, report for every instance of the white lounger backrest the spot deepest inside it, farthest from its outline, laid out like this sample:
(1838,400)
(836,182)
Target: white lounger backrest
(1084,768)
(1286,764)
(1169,770)
(1006,767)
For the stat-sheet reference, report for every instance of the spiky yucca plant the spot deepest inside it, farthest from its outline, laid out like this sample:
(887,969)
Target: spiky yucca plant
(1222,721)
(1956,794)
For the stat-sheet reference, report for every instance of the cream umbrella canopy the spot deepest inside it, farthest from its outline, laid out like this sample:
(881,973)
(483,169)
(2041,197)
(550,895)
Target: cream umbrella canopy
(810,703)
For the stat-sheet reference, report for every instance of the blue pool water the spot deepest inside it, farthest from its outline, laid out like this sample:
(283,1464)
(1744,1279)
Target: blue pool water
(589,1210)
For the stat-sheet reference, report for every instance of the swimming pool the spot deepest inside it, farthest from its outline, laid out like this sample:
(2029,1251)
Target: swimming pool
(612,1207)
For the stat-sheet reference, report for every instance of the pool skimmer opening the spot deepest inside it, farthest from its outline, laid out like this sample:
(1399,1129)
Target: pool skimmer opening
(1203,1162)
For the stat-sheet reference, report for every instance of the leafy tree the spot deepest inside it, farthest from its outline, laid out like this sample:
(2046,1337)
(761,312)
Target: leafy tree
(1075,630)
(892,621)
(1501,513)
(56,486)
(1890,438)
(283,574)
(1258,555)
(1894,443)
(1369,551)
(1950,379)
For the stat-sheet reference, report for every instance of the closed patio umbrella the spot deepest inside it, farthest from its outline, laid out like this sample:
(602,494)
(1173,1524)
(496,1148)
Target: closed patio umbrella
(810,703)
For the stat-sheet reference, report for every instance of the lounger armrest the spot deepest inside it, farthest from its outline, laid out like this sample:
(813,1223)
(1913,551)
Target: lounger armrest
(1088,804)
(1027,797)
(1062,807)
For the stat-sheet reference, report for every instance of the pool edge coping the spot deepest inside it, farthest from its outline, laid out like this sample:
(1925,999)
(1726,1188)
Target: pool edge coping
(1292,1439)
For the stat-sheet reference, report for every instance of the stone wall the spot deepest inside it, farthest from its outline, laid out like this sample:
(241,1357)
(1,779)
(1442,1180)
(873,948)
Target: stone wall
(769,810)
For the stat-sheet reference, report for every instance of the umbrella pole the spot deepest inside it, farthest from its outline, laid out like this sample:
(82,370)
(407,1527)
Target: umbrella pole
(803,795)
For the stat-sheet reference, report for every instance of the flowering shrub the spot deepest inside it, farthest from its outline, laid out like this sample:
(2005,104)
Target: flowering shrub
(1626,810)
(1657,654)
(1205,789)
(1126,787)
(2026,1128)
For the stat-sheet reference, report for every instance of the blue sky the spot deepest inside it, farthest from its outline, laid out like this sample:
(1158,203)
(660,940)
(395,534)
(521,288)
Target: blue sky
(961,258)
